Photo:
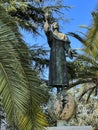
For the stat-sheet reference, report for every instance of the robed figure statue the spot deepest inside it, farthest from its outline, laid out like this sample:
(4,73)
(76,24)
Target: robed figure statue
(59,46)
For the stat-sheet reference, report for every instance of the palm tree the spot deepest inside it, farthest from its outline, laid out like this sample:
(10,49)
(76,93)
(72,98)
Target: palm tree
(19,83)
(30,16)
(86,70)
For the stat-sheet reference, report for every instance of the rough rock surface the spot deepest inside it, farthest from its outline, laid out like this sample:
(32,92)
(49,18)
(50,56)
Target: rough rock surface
(61,106)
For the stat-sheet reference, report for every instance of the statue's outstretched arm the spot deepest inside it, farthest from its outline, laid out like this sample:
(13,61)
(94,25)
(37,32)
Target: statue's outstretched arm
(47,26)
(47,29)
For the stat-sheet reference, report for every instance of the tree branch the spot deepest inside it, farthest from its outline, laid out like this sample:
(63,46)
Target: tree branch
(80,81)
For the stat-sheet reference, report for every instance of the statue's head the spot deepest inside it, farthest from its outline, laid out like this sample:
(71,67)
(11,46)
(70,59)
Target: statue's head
(55,26)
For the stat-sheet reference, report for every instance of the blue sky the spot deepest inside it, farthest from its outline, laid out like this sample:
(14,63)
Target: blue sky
(80,14)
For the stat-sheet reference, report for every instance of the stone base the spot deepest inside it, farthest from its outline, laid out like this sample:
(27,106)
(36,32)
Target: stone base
(61,106)
(70,128)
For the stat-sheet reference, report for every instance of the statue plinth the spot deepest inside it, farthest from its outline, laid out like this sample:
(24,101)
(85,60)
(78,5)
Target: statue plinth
(61,106)
(70,128)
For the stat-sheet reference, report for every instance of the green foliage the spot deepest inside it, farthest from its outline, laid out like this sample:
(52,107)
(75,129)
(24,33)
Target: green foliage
(84,70)
(39,57)
(90,39)
(30,15)
(19,83)
(86,65)
(86,113)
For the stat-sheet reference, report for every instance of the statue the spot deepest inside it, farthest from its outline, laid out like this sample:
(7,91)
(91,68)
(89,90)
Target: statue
(59,44)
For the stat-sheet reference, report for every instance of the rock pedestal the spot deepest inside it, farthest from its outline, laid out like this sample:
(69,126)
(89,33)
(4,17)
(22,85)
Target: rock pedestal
(61,106)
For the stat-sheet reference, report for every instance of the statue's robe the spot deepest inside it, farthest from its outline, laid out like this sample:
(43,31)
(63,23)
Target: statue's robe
(59,45)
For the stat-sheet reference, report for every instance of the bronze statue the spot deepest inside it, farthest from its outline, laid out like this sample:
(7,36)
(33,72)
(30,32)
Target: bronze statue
(59,44)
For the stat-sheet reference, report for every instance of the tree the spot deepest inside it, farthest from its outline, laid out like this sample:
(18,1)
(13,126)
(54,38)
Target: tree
(84,71)
(30,14)
(20,88)
(19,83)
(19,95)
(85,65)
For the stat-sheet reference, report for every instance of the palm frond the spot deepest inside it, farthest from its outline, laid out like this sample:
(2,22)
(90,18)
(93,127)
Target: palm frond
(19,83)
(90,93)
(91,38)
(84,71)
(77,37)
(12,89)
(79,82)
(55,8)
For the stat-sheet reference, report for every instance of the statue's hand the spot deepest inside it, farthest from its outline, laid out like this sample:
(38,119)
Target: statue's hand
(47,22)
(47,16)
(46,26)
(72,53)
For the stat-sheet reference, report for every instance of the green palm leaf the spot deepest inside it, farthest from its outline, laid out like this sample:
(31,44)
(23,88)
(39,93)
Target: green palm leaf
(19,83)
